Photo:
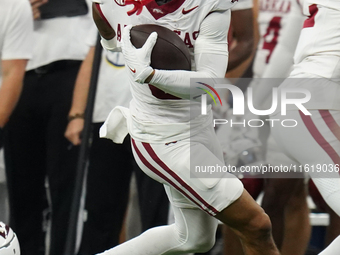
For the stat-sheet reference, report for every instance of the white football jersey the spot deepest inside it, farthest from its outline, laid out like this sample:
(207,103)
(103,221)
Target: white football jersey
(317,55)
(184,17)
(333,4)
(16,30)
(320,36)
(274,17)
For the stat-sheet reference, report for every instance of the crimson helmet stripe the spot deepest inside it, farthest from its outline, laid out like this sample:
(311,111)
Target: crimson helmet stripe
(157,172)
(177,178)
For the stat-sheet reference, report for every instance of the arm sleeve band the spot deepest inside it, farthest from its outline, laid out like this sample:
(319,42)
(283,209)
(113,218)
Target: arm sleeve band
(110,45)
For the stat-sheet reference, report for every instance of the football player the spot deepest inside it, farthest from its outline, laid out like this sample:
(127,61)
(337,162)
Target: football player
(315,142)
(159,127)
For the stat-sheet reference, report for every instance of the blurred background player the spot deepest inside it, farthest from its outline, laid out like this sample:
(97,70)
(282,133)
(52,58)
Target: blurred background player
(280,23)
(316,140)
(284,199)
(241,34)
(16,41)
(35,145)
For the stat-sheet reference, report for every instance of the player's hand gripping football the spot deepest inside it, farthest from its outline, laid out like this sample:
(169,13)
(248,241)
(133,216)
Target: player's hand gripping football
(138,60)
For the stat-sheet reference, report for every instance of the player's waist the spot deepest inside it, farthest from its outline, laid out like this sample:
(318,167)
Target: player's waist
(167,132)
(164,111)
(323,65)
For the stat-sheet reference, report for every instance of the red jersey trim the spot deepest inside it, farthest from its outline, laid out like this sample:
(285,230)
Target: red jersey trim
(310,21)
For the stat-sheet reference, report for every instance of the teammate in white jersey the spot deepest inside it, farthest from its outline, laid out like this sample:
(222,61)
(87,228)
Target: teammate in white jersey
(315,142)
(16,40)
(280,23)
(161,139)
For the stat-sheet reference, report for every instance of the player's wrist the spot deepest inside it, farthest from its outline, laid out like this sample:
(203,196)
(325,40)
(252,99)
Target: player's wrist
(109,44)
(149,79)
(143,74)
(74,116)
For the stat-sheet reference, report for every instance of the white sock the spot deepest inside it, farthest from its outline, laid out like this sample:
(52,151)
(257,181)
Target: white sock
(193,231)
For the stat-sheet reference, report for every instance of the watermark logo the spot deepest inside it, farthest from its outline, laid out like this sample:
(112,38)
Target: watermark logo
(239,99)
(204,97)
(282,99)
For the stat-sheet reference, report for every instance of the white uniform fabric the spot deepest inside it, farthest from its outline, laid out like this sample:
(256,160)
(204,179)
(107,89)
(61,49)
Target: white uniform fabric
(333,248)
(69,44)
(315,144)
(316,140)
(16,40)
(160,160)
(192,199)
(193,231)
(280,23)
(318,56)
(16,26)
(146,107)
(112,87)
(333,4)
(163,131)
(155,120)
(275,156)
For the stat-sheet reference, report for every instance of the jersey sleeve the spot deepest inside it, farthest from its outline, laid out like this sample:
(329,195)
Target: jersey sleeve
(18,41)
(211,57)
(282,58)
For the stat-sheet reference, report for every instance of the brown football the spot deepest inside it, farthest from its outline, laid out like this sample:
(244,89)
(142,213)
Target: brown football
(169,52)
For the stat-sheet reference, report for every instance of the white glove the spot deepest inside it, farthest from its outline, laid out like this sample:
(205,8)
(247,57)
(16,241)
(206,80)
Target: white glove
(138,60)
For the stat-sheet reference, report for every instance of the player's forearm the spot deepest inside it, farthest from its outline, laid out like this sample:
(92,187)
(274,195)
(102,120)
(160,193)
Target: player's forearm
(240,53)
(82,85)
(13,73)
(104,28)
(211,58)
(243,33)
(178,84)
(282,57)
